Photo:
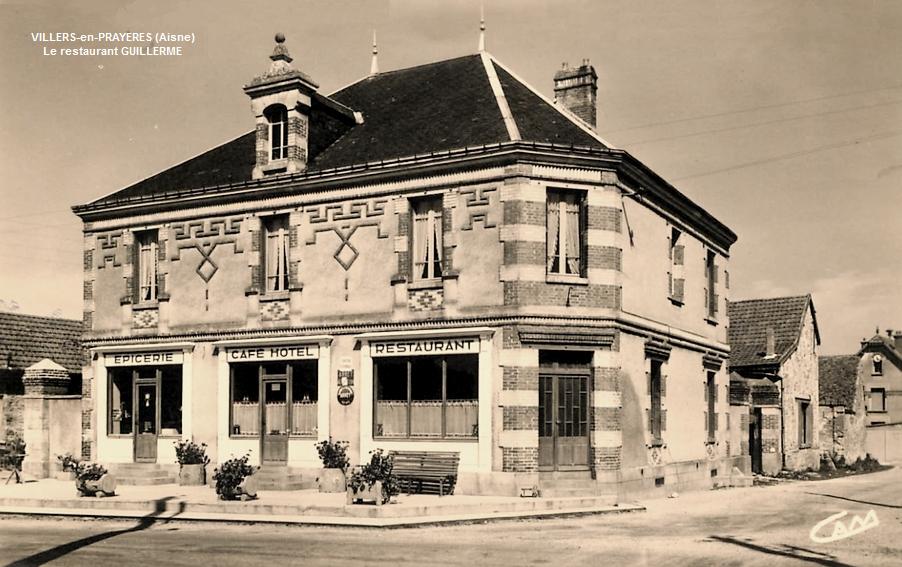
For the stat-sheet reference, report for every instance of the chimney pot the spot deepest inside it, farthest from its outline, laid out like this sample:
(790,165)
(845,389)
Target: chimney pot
(771,348)
(575,90)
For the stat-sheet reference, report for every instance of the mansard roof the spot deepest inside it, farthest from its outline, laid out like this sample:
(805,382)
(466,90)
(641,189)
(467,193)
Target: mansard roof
(749,321)
(27,339)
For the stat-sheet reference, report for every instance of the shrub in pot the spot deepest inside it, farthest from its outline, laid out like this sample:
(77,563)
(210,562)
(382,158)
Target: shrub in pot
(374,480)
(193,460)
(93,479)
(68,466)
(234,479)
(334,455)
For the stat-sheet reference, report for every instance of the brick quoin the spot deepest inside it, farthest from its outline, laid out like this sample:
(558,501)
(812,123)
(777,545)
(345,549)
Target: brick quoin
(519,378)
(520,418)
(88,290)
(89,260)
(522,252)
(606,458)
(542,293)
(607,419)
(605,257)
(519,459)
(604,218)
(524,212)
(770,422)
(87,321)
(606,379)
(510,338)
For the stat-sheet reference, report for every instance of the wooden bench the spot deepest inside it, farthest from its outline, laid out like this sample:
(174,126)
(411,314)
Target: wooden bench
(432,472)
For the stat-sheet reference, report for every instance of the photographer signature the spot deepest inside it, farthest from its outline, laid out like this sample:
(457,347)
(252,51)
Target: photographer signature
(841,530)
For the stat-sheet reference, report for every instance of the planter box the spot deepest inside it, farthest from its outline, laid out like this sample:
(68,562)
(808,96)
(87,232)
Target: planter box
(247,490)
(104,486)
(192,475)
(331,481)
(373,494)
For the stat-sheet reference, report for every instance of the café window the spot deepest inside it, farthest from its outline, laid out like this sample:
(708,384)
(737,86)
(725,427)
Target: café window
(295,410)
(427,397)
(167,381)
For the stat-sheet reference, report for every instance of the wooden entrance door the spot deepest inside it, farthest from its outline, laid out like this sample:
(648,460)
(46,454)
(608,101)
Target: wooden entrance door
(755,445)
(147,422)
(275,420)
(563,422)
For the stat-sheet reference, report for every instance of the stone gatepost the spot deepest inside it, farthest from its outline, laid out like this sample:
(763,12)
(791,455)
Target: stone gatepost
(44,382)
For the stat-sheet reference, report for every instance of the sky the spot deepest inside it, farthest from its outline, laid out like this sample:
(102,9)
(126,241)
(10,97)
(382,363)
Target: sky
(781,118)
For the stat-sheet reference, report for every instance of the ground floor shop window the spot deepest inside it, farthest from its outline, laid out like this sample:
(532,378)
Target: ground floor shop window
(283,396)
(427,397)
(160,387)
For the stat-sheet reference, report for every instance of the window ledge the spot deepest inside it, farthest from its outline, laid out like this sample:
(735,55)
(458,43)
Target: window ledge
(876,374)
(877,411)
(275,166)
(145,305)
(274,296)
(711,321)
(566,279)
(428,439)
(659,443)
(434,283)
(678,301)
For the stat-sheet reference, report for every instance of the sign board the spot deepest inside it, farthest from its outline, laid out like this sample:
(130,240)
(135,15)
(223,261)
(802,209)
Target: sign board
(149,358)
(345,395)
(276,352)
(346,377)
(424,347)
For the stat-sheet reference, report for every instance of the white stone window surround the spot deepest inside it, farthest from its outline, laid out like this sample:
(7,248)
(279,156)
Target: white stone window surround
(120,448)
(301,451)
(474,456)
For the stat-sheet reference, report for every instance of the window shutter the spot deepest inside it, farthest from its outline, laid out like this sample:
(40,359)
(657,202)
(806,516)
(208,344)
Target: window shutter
(705,390)
(648,422)
(716,421)
(726,279)
(669,249)
(678,252)
(663,420)
(679,288)
(706,421)
(706,299)
(715,392)
(663,385)
(715,269)
(715,298)
(670,284)
(583,236)
(728,420)
(648,382)
(801,419)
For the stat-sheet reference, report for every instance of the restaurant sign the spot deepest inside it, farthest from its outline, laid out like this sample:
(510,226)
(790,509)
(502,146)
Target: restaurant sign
(420,347)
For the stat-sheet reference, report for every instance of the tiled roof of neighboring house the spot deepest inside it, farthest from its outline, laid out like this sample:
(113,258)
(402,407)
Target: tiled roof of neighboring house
(837,378)
(27,339)
(429,108)
(749,321)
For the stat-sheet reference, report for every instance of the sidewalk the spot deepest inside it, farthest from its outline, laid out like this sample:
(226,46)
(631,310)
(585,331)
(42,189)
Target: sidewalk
(199,503)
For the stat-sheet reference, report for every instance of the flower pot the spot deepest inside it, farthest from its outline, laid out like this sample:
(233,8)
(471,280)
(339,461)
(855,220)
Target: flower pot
(104,486)
(193,475)
(373,493)
(331,481)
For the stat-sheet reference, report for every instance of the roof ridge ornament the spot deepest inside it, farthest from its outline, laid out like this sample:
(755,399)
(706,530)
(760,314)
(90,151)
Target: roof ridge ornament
(374,64)
(281,59)
(481,28)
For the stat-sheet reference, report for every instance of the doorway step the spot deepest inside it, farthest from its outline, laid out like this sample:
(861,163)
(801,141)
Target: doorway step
(563,484)
(143,474)
(280,477)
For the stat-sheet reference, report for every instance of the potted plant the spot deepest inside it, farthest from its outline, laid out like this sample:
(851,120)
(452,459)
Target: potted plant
(68,466)
(234,479)
(334,455)
(193,460)
(374,480)
(93,479)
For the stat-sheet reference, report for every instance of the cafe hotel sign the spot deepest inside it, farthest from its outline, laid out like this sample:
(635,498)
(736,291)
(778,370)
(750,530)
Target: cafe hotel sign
(276,352)
(421,347)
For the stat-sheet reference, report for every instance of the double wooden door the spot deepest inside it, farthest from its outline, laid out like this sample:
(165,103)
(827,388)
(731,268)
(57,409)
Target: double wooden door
(563,422)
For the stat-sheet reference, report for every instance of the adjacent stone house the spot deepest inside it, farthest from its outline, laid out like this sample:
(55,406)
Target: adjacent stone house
(774,380)
(881,373)
(843,410)
(432,258)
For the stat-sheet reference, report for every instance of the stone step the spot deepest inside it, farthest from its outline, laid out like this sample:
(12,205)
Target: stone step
(145,480)
(291,485)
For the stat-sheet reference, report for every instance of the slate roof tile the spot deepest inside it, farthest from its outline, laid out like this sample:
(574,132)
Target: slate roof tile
(27,339)
(837,377)
(749,321)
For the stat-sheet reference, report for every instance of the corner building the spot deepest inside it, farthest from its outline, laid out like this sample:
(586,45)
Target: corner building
(433,258)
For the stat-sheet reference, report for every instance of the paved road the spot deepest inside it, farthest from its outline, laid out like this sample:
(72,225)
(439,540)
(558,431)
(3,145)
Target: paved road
(752,526)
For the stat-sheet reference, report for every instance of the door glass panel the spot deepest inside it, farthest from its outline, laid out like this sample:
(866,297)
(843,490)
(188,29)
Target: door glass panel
(147,409)
(275,396)
(546,405)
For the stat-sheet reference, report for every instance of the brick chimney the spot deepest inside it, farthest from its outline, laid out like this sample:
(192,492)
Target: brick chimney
(575,90)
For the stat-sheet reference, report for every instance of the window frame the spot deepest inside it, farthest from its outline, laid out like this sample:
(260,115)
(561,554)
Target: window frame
(276,116)
(276,228)
(581,201)
(882,392)
(876,365)
(805,423)
(261,376)
(677,256)
(711,398)
(656,401)
(432,215)
(135,376)
(147,249)
(711,298)
(409,436)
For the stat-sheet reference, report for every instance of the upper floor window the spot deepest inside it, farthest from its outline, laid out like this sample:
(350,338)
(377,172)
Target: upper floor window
(565,233)
(711,414)
(277,117)
(427,238)
(711,281)
(147,265)
(656,402)
(877,400)
(877,365)
(806,423)
(276,249)
(677,281)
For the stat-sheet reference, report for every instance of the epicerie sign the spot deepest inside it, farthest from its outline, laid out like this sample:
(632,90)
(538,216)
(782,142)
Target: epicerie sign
(456,345)
(280,352)
(144,358)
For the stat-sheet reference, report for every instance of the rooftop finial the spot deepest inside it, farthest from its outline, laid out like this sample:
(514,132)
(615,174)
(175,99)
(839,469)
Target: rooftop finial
(481,28)
(374,65)
(280,52)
